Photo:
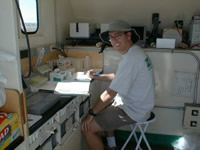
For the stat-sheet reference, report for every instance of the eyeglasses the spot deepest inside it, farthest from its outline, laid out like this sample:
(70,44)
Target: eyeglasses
(117,36)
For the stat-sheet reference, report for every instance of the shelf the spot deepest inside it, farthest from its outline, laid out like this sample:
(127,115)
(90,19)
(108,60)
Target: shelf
(15,143)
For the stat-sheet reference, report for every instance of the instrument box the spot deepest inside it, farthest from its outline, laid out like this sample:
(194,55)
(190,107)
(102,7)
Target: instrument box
(81,30)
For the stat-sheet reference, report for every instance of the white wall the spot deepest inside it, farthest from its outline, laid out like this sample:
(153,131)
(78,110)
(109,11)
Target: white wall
(137,12)
(65,15)
(47,31)
(169,119)
(9,44)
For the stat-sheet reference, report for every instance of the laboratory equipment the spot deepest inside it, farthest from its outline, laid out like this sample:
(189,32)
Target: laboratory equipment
(81,30)
(194,36)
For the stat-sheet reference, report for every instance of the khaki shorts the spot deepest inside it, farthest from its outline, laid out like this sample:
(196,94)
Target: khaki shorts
(112,118)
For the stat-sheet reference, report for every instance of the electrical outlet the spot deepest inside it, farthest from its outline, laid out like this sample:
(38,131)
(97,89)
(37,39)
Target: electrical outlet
(195,112)
(51,48)
(193,123)
(191,117)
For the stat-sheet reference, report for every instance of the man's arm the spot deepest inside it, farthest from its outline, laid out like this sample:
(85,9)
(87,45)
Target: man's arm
(105,99)
(104,77)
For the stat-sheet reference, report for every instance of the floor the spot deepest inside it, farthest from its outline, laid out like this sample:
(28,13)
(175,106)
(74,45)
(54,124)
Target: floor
(131,146)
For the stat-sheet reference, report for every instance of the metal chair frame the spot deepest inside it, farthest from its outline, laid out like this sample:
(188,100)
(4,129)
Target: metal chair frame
(142,126)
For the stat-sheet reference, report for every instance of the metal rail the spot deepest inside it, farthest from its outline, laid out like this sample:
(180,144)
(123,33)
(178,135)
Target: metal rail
(185,52)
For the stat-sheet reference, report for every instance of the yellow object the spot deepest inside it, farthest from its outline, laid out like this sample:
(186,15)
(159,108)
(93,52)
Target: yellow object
(9,129)
(38,80)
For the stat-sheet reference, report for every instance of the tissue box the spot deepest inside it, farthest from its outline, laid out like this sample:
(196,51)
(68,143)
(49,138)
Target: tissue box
(9,129)
(81,30)
(58,76)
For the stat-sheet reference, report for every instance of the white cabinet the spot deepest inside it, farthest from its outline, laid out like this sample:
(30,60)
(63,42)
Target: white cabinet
(22,146)
(76,141)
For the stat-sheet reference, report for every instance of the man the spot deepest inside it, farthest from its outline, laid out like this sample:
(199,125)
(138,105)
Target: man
(130,96)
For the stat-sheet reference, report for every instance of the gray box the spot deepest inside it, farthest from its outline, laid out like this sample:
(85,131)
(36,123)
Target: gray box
(191,119)
(40,102)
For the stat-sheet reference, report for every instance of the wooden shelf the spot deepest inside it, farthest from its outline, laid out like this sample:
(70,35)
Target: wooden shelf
(15,103)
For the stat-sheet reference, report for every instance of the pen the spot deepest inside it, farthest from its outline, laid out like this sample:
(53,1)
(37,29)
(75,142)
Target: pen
(96,74)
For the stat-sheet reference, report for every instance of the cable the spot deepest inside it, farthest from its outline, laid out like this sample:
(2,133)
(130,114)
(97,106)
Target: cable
(139,38)
(195,45)
(61,50)
(27,40)
(183,39)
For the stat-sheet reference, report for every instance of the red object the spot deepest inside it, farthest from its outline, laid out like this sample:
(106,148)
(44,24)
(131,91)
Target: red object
(3,116)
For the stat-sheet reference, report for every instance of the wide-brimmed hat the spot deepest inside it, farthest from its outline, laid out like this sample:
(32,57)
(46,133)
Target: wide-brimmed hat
(118,25)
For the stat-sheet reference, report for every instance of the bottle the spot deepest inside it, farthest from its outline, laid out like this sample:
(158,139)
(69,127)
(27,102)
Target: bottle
(87,64)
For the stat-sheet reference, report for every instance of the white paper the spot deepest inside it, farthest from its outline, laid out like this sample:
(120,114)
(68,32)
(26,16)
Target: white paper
(184,84)
(81,76)
(32,119)
(72,88)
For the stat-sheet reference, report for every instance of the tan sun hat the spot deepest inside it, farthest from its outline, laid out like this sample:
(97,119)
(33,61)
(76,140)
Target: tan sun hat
(118,25)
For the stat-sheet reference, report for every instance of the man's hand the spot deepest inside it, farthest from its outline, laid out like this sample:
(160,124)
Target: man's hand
(85,125)
(90,73)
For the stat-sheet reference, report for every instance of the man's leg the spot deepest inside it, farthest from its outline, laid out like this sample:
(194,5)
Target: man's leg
(93,140)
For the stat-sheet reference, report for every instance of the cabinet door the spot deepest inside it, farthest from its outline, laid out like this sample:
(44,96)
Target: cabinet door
(76,141)
(22,146)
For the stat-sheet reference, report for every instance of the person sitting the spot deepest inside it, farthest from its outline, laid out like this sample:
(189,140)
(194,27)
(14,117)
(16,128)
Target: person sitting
(130,96)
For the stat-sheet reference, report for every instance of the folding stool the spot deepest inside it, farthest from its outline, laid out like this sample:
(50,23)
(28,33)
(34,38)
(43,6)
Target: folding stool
(142,126)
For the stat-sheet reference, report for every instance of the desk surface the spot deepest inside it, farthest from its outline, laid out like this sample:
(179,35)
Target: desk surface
(78,86)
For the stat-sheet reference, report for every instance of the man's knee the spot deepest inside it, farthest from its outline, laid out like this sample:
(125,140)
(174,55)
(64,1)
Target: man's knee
(87,133)
(93,128)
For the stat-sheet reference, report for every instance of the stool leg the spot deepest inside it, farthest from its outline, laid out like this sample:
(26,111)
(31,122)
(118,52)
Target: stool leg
(131,134)
(143,130)
(136,138)
(144,137)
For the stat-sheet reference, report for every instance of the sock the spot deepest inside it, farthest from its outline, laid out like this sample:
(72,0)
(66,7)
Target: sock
(111,141)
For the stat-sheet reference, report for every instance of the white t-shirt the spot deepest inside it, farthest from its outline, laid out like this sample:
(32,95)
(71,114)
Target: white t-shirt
(134,83)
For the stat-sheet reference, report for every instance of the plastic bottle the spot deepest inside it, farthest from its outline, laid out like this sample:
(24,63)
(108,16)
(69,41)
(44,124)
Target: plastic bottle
(87,63)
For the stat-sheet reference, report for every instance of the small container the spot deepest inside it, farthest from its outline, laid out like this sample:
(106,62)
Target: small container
(87,64)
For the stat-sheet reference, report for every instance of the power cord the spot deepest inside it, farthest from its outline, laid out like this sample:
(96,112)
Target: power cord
(27,40)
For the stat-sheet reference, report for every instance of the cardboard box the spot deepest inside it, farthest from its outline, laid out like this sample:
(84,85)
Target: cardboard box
(81,30)
(9,129)
(171,33)
(165,43)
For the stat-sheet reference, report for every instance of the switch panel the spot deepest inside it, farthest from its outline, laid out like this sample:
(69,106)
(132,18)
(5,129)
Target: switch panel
(191,119)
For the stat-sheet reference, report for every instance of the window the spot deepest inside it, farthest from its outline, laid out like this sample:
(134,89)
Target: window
(29,10)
